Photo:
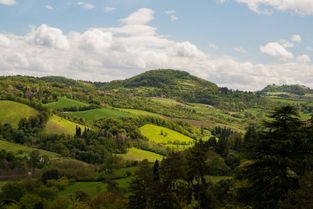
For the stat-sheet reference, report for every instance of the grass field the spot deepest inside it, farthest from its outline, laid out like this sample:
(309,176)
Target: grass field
(64,102)
(12,147)
(90,188)
(58,125)
(165,136)
(12,112)
(140,112)
(96,114)
(135,154)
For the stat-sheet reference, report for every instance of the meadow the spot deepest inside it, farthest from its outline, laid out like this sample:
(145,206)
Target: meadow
(96,114)
(58,125)
(16,148)
(134,154)
(64,102)
(164,136)
(12,112)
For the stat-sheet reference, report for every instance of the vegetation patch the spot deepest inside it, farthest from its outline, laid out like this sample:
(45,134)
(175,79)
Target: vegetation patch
(164,136)
(64,102)
(96,114)
(134,154)
(17,148)
(12,112)
(58,125)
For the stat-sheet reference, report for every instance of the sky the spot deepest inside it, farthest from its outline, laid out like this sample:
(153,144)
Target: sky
(240,44)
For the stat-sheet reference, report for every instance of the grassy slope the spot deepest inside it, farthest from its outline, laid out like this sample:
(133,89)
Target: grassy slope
(64,102)
(12,147)
(96,114)
(135,154)
(58,125)
(169,137)
(12,112)
(140,112)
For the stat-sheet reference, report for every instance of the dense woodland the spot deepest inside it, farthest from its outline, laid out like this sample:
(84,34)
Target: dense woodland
(266,162)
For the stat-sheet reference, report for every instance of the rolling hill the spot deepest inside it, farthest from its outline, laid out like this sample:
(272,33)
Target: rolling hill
(12,112)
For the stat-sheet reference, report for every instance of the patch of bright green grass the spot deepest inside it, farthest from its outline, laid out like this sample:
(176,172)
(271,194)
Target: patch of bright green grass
(12,112)
(134,154)
(58,125)
(96,114)
(165,136)
(64,102)
(15,148)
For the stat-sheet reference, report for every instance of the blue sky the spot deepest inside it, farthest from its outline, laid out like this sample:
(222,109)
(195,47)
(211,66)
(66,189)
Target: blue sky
(242,44)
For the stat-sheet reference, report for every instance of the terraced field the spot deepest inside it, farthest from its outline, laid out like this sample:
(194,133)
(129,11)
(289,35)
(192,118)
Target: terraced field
(135,154)
(12,112)
(58,125)
(96,114)
(64,102)
(166,137)
(12,147)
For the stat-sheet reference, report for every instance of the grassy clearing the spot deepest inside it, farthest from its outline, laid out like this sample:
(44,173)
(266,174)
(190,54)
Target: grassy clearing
(135,154)
(166,101)
(12,112)
(12,147)
(96,114)
(58,125)
(164,136)
(64,102)
(90,188)
(140,112)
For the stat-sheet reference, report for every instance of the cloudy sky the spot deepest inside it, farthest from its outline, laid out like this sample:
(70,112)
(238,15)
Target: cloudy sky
(241,44)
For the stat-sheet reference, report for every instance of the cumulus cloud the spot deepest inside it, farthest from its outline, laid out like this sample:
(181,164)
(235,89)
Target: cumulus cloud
(8,2)
(275,49)
(103,54)
(302,7)
(304,58)
(296,38)
(85,5)
(141,17)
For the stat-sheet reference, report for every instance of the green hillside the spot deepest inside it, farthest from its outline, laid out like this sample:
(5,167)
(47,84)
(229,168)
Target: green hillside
(58,125)
(64,102)
(167,137)
(12,112)
(15,148)
(96,114)
(134,154)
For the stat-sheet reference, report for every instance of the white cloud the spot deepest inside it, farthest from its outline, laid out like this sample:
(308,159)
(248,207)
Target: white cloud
(296,38)
(302,7)
(103,54)
(49,7)
(85,5)
(304,58)
(276,50)
(140,17)
(172,14)
(8,2)
(286,44)
(109,9)
(173,17)
(240,50)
